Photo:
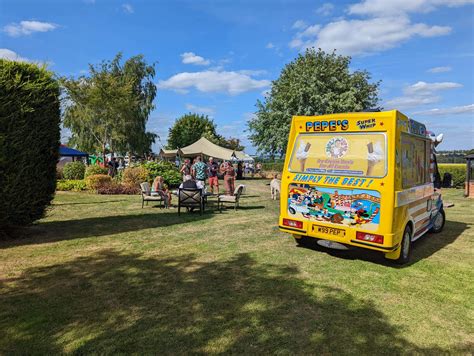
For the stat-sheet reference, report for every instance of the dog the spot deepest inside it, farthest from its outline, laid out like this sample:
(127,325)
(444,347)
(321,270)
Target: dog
(275,187)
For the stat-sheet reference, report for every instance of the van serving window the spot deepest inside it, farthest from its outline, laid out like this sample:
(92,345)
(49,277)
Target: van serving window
(350,154)
(415,160)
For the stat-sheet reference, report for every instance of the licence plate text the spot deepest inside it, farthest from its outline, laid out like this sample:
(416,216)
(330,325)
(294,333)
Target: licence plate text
(328,230)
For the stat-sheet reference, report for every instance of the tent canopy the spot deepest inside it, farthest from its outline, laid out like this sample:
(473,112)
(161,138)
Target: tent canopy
(170,153)
(65,151)
(205,147)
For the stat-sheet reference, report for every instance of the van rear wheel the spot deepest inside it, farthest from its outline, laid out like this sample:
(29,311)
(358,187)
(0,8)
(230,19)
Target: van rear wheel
(405,247)
(302,240)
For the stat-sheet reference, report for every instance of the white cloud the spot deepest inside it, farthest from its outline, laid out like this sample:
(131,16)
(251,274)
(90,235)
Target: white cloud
(394,7)
(28,27)
(304,37)
(275,48)
(387,25)
(456,110)
(410,102)
(325,9)
(128,9)
(299,25)
(5,53)
(232,83)
(191,58)
(200,109)
(439,69)
(423,88)
(356,37)
(421,93)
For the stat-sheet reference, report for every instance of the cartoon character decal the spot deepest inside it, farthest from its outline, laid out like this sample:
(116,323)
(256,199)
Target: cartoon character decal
(357,207)
(337,147)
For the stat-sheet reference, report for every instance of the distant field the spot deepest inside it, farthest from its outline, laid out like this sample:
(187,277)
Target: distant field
(452,165)
(101,275)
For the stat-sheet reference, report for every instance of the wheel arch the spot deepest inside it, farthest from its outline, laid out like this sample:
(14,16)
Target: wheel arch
(411,224)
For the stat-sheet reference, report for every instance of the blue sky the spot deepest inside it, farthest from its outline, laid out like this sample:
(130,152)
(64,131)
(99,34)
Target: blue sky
(219,57)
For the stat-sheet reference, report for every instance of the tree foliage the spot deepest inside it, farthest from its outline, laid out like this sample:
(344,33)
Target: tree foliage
(29,141)
(191,127)
(108,110)
(315,83)
(231,143)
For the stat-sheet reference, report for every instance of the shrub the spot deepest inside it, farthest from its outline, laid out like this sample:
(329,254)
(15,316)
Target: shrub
(29,141)
(74,185)
(115,188)
(74,170)
(167,170)
(457,171)
(59,173)
(133,176)
(273,166)
(94,169)
(97,181)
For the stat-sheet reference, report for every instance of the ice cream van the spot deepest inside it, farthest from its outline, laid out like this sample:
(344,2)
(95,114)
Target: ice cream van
(365,179)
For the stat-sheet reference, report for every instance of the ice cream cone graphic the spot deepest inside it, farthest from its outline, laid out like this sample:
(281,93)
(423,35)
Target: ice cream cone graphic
(374,156)
(302,154)
(302,164)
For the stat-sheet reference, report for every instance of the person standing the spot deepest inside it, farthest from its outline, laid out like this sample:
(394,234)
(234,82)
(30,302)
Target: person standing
(229,177)
(198,171)
(112,166)
(212,169)
(239,170)
(186,168)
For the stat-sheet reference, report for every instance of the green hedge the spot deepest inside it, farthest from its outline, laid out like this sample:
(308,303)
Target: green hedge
(457,170)
(94,169)
(74,185)
(167,170)
(273,166)
(74,170)
(29,141)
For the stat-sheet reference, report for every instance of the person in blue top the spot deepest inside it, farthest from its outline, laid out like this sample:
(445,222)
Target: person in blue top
(199,171)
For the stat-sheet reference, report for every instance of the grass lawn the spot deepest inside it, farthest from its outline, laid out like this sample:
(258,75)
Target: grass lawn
(99,274)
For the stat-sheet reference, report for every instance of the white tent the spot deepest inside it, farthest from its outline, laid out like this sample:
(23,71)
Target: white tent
(205,147)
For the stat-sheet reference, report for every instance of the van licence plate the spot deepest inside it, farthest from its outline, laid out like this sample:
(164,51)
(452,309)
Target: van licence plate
(328,230)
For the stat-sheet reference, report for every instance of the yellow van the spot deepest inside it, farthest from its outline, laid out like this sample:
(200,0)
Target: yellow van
(361,179)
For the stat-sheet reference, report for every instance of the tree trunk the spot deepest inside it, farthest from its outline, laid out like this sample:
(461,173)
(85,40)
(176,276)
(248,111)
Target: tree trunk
(103,154)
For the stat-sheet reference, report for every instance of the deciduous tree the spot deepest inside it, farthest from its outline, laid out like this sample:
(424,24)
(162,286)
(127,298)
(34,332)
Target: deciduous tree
(189,128)
(109,109)
(315,83)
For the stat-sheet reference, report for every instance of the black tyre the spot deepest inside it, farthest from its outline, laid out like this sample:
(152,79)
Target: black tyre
(405,252)
(302,240)
(438,222)
(292,210)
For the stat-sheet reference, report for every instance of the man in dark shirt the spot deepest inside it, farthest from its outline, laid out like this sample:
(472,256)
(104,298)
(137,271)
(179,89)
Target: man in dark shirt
(212,168)
(113,166)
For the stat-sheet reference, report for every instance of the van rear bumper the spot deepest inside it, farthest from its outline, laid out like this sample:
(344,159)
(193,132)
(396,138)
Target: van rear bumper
(349,239)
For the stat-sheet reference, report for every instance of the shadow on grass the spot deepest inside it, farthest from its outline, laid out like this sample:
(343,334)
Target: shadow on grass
(113,302)
(248,207)
(422,248)
(52,231)
(90,202)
